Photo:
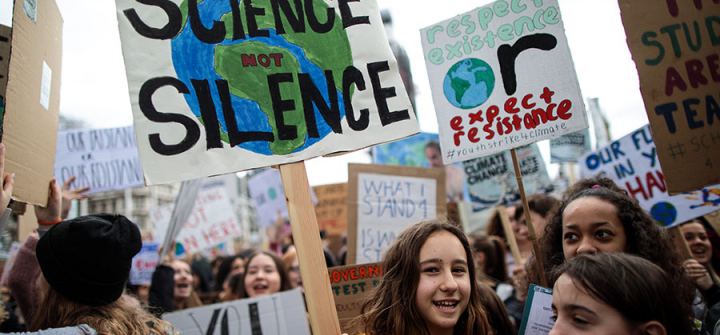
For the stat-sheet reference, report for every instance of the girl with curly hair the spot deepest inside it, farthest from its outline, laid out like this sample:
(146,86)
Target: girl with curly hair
(428,287)
(596,216)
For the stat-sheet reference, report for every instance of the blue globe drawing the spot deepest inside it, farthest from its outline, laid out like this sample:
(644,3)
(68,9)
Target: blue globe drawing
(469,83)
(664,213)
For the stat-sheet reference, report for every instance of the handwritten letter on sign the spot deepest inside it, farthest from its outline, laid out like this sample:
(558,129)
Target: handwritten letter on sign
(675,47)
(501,77)
(384,200)
(221,86)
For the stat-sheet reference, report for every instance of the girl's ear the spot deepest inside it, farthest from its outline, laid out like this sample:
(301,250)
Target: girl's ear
(652,328)
(479,260)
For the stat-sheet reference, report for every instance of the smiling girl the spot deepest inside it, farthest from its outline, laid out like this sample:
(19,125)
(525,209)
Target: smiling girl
(264,274)
(428,287)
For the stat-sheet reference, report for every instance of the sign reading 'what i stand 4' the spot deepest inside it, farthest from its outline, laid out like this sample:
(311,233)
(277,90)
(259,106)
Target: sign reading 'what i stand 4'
(501,77)
(226,85)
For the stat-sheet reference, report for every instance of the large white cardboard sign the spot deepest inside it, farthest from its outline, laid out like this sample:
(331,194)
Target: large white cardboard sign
(104,159)
(211,222)
(632,162)
(501,77)
(219,86)
(277,314)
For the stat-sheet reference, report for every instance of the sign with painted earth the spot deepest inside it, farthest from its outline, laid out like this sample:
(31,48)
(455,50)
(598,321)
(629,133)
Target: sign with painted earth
(501,78)
(225,85)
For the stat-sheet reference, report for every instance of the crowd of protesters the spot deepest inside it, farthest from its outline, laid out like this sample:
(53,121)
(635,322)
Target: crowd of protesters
(612,269)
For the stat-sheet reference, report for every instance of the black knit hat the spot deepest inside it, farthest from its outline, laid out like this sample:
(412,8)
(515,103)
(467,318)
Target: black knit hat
(88,259)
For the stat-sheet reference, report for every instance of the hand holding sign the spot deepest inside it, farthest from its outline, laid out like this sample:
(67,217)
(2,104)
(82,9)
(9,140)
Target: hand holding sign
(6,183)
(69,195)
(51,212)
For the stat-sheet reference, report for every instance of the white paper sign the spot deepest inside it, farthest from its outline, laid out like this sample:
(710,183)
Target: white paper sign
(104,159)
(211,222)
(278,314)
(144,263)
(215,89)
(387,205)
(267,192)
(501,77)
(633,164)
(537,318)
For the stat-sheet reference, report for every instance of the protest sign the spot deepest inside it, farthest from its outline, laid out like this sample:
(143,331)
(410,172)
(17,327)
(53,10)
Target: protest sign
(568,148)
(384,200)
(14,248)
(675,48)
(632,162)
(352,285)
(103,159)
(491,179)
(422,150)
(277,314)
(182,208)
(266,190)
(210,222)
(144,263)
(538,315)
(501,77)
(331,208)
(257,85)
(32,100)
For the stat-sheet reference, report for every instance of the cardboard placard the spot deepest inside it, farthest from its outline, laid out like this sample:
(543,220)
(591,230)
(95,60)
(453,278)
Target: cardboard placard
(675,48)
(278,314)
(351,286)
(331,208)
(144,263)
(568,148)
(632,162)
(383,200)
(211,221)
(537,317)
(217,88)
(420,150)
(501,77)
(32,101)
(104,159)
(491,180)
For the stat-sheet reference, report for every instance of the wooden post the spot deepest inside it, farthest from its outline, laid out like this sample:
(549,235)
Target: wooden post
(510,236)
(685,252)
(314,272)
(571,172)
(531,228)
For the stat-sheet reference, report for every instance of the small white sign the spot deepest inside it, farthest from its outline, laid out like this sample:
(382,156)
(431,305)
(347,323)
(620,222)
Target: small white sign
(45,85)
(538,315)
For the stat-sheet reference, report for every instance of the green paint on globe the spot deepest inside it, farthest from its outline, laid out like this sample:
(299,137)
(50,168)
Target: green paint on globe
(664,213)
(469,83)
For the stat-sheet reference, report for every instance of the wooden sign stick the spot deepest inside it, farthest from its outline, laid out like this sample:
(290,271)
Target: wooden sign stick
(314,272)
(531,228)
(510,236)
(685,252)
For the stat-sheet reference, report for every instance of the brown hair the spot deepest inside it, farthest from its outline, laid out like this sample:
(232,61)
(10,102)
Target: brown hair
(494,250)
(391,307)
(282,271)
(638,289)
(644,237)
(542,204)
(118,317)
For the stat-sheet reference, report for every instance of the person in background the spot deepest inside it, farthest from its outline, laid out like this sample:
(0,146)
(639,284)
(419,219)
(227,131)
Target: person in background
(429,286)
(454,176)
(699,268)
(264,274)
(231,265)
(495,228)
(542,207)
(617,294)
(292,265)
(172,287)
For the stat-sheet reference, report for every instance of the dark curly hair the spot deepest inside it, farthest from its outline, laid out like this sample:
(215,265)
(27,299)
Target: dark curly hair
(644,237)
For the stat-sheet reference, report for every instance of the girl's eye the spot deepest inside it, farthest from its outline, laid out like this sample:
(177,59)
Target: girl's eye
(580,321)
(570,237)
(554,318)
(431,270)
(459,270)
(603,234)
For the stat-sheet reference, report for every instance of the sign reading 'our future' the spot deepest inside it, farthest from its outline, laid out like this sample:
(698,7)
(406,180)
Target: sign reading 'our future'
(675,47)
(225,85)
(501,77)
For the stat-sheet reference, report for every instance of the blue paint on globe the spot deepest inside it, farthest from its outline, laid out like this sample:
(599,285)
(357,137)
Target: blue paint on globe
(194,59)
(664,213)
(469,83)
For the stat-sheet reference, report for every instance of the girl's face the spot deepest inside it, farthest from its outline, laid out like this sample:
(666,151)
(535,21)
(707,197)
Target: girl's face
(262,277)
(183,279)
(591,225)
(576,312)
(538,221)
(237,267)
(294,274)
(443,291)
(698,242)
